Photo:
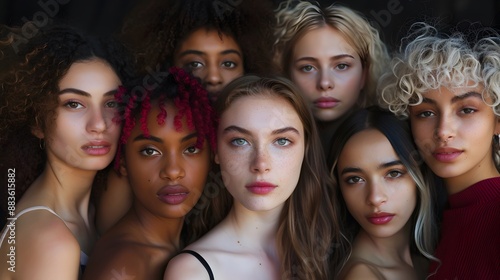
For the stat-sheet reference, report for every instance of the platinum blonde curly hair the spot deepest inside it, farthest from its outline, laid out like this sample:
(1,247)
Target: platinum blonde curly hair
(295,18)
(431,60)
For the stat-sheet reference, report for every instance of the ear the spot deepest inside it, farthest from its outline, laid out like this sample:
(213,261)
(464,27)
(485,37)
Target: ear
(363,78)
(37,132)
(216,158)
(123,168)
(497,126)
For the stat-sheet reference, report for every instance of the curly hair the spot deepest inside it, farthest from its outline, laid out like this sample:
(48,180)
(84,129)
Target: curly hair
(170,22)
(309,238)
(430,60)
(29,91)
(294,20)
(192,102)
(398,132)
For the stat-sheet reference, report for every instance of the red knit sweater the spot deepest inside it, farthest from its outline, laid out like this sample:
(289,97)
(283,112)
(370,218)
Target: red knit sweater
(469,247)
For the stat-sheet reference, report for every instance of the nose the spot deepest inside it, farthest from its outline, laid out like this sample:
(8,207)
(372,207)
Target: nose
(377,194)
(325,81)
(97,122)
(213,76)
(260,162)
(445,130)
(172,169)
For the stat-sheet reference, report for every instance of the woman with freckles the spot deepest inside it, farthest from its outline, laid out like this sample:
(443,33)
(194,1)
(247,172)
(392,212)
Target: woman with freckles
(281,223)
(56,132)
(385,192)
(165,153)
(449,87)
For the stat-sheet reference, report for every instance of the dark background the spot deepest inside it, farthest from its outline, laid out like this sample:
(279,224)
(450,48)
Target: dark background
(393,17)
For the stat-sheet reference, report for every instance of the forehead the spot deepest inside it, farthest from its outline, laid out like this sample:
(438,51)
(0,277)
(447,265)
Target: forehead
(367,148)
(324,39)
(207,39)
(262,112)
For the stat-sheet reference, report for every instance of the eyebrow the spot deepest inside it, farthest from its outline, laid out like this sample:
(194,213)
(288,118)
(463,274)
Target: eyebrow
(274,132)
(332,58)
(456,98)
(196,52)
(159,140)
(84,93)
(382,166)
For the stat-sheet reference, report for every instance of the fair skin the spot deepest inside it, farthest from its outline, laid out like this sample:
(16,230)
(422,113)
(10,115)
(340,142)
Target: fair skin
(381,196)
(453,129)
(328,71)
(167,174)
(214,58)
(81,141)
(257,143)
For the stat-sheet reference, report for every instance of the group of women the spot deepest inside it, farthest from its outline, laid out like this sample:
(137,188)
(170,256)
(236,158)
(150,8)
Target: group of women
(240,142)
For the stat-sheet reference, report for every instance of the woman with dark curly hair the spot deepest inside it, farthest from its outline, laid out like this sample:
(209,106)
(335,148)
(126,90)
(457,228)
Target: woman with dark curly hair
(57,131)
(165,151)
(217,40)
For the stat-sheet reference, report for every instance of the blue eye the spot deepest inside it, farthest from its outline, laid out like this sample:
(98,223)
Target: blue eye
(283,142)
(239,142)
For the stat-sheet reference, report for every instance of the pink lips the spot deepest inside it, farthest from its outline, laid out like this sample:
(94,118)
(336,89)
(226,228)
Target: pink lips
(173,194)
(446,154)
(326,102)
(261,188)
(380,218)
(97,148)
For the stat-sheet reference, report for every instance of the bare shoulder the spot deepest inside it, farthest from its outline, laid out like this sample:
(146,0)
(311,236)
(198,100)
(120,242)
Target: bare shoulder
(45,247)
(185,266)
(117,261)
(360,270)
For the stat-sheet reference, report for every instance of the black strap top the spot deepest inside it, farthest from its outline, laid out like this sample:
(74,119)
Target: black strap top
(202,261)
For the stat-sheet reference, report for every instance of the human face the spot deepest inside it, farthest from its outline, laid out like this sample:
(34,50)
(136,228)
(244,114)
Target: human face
(166,171)
(378,190)
(84,135)
(453,129)
(214,58)
(328,71)
(260,151)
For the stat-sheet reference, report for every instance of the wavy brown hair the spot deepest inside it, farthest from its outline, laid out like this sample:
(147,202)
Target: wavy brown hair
(308,237)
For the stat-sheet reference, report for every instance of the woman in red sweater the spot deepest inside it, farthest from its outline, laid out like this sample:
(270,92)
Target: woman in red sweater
(450,89)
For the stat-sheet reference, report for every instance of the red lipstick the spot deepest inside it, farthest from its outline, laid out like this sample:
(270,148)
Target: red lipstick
(380,218)
(446,154)
(173,194)
(326,102)
(97,148)
(261,188)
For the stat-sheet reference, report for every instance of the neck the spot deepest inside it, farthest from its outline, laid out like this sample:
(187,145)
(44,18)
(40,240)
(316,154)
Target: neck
(254,228)
(481,172)
(157,230)
(65,189)
(388,250)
